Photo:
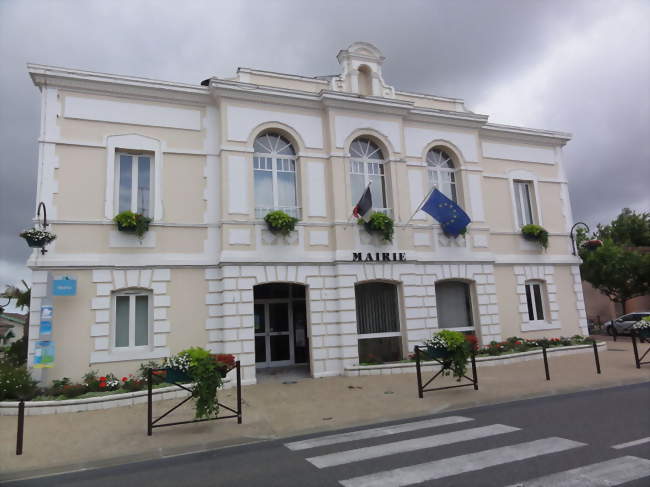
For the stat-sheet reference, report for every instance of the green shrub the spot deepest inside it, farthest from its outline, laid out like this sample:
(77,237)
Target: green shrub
(74,390)
(380,224)
(91,379)
(56,389)
(16,382)
(16,353)
(130,222)
(205,372)
(537,233)
(279,222)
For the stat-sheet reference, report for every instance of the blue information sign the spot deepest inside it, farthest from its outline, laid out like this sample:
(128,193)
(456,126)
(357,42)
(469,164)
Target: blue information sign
(66,286)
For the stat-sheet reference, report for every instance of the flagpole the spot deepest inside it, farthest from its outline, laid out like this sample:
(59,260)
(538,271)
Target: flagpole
(352,215)
(421,203)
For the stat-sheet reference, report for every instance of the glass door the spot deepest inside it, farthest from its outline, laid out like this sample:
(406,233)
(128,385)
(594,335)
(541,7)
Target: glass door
(273,333)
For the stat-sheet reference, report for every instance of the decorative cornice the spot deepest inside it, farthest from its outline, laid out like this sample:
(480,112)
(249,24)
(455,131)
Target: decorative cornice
(525,134)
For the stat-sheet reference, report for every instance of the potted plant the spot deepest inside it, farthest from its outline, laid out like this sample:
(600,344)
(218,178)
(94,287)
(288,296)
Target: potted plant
(225,362)
(202,369)
(37,238)
(642,328)
(176,368)
(279,222)
(130,222)
(452,348)
(380,224)
(535,233)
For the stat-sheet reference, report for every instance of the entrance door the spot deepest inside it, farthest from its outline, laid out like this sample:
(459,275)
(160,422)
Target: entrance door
(280,325)
(273,334)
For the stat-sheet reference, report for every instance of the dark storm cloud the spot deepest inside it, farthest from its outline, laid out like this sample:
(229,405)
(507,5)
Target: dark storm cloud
(466,49)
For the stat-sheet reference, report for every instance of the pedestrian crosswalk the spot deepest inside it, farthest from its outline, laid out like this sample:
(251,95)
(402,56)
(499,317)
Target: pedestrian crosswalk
(383,442)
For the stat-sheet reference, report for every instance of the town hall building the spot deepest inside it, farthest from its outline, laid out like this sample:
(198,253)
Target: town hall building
(206,162)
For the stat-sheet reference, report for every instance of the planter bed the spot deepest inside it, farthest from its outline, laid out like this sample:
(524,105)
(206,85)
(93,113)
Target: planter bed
(10,408)
(481,360)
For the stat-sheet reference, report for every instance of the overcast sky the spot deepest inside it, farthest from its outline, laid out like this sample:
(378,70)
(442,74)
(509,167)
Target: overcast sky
(569,65)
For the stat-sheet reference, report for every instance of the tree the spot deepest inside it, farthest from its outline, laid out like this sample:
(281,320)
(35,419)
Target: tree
(21,300)
(619,268)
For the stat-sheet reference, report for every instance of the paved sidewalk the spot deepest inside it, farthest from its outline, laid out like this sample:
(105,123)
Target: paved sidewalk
(74,441)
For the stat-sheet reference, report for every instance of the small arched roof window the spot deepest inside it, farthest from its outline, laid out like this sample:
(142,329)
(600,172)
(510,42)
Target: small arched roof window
(441,170)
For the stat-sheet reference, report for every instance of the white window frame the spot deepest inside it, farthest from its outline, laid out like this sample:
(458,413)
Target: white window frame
(135,162)
(366,167)
(293,211)
(133,143)
(434,172)
(544,301)
(471,311)
(525,177)
(520,202)
(132,294)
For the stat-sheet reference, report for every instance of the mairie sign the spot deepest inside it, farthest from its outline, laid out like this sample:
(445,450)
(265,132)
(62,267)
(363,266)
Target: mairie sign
(378,256)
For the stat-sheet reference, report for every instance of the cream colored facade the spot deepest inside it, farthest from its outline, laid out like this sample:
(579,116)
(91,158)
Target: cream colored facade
(206,250)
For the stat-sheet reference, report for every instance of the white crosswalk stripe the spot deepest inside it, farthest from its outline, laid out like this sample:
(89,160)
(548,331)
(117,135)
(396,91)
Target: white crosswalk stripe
(463,463)
(375,432)
(640,441)
(358,454)
(604,474)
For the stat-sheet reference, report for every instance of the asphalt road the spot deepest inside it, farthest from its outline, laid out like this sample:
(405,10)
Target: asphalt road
(593,438)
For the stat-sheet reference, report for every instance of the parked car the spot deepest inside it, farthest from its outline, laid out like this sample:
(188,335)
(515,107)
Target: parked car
(623,324)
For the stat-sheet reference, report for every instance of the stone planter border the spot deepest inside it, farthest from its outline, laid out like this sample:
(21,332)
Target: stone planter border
(481,361)
(32,408)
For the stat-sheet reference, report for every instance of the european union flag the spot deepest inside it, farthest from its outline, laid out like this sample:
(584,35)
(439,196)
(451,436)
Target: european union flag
(451,217)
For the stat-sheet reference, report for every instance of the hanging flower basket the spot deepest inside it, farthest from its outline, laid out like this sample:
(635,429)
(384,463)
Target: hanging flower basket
(37,238)
(592,244)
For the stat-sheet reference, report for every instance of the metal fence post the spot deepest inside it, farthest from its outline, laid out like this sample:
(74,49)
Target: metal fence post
(637,361)
(418,371)
(21,427)
(239,411)
(474,370)
(149,402)
(614,332)
(596,357)
(548,376)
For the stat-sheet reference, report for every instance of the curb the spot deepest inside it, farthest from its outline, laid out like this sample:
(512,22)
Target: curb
(409,367)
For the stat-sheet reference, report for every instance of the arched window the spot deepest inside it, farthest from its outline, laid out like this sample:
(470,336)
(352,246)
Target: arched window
(274,164)
(367,166)
(441,172)
(365,80)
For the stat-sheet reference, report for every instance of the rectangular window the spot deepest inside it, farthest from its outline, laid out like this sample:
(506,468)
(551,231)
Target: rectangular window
(534,301)
(132,320)
(378,322)
(523,202)
(275,185)
(361,174)
(454,305)
(134,173)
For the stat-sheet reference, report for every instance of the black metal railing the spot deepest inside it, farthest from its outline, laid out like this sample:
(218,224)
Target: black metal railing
(155,422)
(638,361)
(596,360)
(444,365)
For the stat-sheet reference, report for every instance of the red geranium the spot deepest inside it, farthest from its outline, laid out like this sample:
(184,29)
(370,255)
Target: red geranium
(471,339)
(124,379)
